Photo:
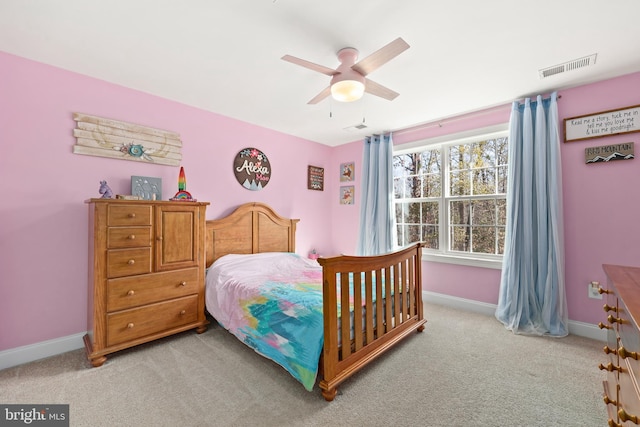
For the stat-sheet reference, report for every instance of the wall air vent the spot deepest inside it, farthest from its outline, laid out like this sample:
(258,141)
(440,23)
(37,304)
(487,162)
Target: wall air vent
(568,66)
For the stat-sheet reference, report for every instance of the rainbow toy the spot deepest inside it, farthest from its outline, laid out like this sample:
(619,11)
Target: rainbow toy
(182,195)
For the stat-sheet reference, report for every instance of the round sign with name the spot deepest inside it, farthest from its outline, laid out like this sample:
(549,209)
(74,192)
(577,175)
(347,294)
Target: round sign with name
(252,169)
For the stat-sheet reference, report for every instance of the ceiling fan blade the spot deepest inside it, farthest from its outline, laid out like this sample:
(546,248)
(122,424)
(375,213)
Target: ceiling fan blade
(322,95)
(310,65)
(378,90)
(381,56)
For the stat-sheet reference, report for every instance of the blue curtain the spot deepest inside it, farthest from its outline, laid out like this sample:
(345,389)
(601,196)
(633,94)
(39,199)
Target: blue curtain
(532,289)
(377,232)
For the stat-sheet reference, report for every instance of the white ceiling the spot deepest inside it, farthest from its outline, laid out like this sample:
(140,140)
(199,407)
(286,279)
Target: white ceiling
(224,55)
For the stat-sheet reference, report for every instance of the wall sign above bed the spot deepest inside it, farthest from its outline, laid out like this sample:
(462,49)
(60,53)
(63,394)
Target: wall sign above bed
(252,169)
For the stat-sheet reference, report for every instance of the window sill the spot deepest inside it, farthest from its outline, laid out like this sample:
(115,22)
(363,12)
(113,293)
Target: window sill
(460,260)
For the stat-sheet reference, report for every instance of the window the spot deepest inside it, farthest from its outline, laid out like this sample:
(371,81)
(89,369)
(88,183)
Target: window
(451,195)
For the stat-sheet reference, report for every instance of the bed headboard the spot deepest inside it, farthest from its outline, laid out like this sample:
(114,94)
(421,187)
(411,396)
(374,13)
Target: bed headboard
(251,228)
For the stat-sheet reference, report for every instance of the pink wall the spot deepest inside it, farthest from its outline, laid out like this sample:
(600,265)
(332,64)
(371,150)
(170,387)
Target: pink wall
(43,217)
(601,201)
(43,231)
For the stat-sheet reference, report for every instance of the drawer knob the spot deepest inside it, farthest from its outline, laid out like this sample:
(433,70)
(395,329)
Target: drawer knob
(608,350)
(132,237)
(131,292)
(183,284)
(612,319)
(608,401)
(131,261)
(130,326)
(609,367)
(132,215)
(624,353)
(183,312)
(607,307)
(603,326)
(626,417)
(603,291)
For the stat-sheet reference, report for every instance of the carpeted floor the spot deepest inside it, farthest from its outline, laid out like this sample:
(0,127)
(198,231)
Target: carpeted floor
(465,369)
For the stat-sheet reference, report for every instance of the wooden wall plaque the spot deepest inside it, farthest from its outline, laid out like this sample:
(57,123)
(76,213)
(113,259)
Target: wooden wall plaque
(315,178)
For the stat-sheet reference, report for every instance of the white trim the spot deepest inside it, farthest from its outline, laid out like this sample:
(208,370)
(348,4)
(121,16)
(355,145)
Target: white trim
(459,138)
(581,329)
(462,260)
(29,353)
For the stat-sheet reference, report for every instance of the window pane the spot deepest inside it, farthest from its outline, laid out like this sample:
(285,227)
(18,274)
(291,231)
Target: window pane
(502,211)
(411,213)
(459,157)
(412,234)
(460,183)
(484,212)
(484,240)
(502,151)
(459,212)
(404,165)
(502,179)
(501,235)
(431,186)
(430,161)
(398,188)
(460,239)
(430,236)
(484,181)
(430,213)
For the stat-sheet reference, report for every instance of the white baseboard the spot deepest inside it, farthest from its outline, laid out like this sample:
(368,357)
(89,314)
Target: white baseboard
(581,329)
(29,353)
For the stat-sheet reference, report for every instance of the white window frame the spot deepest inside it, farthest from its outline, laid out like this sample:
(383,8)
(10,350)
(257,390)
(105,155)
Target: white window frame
(444,255)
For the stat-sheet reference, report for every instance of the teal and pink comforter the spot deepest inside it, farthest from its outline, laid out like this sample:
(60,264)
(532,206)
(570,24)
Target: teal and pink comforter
(273,303)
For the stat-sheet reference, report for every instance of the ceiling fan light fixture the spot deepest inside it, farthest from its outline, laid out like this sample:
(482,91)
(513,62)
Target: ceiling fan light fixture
(347,90)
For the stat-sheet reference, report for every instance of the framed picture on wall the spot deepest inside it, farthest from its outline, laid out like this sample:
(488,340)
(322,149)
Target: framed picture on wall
(347,172)
(315,178)
(346,195)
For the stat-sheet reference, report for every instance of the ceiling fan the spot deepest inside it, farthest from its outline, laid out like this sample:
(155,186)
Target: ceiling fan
(348,81)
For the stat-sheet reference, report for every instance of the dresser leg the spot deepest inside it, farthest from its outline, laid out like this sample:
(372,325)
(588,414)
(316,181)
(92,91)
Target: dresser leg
(201,329)
(98,361)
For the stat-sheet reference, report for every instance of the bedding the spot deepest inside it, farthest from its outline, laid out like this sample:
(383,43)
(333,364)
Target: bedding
(272,302)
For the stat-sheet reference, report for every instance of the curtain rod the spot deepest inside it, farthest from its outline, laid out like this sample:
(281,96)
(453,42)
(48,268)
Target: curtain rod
(440,123)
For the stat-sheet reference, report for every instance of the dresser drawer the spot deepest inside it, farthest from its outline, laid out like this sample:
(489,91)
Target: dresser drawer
(128,262)
(629,349)
(123,215)
(135,323)
(128,292)
(628,395)
(128,237)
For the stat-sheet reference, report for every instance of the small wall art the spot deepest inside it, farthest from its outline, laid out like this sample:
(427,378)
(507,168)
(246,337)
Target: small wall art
(146,187)
(315,178)
(98,136)
(347,172)
(346,195)
(608,153)
(252,169)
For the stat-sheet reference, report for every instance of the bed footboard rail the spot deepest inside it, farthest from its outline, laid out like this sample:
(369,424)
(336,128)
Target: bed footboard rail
(370,303)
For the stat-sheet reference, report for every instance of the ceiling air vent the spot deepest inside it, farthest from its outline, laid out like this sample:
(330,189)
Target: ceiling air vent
(568,66)
(354,128)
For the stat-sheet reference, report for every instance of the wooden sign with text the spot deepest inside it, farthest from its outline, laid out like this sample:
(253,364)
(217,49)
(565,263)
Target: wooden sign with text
(605,123)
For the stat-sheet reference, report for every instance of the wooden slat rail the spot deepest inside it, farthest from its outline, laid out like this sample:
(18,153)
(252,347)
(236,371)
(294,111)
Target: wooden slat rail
(353,334)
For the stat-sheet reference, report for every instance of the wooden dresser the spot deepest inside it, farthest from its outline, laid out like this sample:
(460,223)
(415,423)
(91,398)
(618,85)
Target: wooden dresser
(146,272)
(621,388)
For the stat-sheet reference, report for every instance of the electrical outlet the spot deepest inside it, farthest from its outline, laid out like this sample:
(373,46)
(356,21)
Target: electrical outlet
(593,290)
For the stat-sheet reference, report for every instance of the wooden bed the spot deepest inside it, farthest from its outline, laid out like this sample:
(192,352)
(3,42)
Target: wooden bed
(255,228)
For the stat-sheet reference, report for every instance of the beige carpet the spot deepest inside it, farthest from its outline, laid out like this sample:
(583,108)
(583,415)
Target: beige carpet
(465,369)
